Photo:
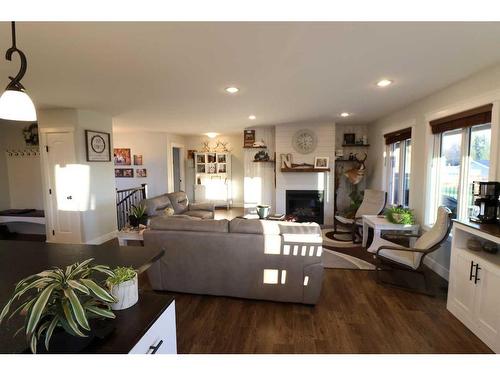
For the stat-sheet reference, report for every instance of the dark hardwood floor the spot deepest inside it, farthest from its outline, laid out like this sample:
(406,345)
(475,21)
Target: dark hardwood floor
(354,315)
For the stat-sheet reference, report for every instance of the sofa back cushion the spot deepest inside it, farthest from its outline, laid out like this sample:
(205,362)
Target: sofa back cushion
(157,205)
(189,224)
(180,201)
(255,226)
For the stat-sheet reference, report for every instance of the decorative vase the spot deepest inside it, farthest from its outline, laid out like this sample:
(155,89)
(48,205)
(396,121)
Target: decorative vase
(127,294)
(263,211)
(134,221)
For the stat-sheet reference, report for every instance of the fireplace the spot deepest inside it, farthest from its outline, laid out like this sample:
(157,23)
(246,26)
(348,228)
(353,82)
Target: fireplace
(305,205)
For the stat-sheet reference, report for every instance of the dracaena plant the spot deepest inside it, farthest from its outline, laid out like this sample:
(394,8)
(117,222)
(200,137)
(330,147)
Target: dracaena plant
(55,298)
(138,211)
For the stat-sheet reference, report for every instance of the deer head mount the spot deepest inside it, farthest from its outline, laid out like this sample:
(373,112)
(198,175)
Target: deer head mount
(355,175)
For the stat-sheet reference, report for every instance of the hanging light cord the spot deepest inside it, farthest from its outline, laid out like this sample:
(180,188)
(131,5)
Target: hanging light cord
(15,83)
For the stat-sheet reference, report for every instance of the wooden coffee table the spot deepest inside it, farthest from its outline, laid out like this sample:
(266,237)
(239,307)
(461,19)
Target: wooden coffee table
(380,223)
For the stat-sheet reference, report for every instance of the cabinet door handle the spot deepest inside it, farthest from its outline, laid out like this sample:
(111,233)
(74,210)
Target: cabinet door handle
(471,268)
(155,348)
(476,279)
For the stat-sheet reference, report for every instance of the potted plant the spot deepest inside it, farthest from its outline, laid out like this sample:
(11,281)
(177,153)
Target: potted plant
(263,210)
(124,288)
(400,215)
(138,215)
(61,304)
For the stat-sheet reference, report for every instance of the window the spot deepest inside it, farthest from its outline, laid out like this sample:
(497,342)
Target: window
(461,155)
(398,167)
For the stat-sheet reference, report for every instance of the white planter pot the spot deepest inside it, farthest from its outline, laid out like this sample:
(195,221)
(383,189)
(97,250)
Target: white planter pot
(127,294)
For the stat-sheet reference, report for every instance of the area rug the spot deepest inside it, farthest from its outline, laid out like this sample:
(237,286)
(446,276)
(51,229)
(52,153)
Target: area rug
(345,255)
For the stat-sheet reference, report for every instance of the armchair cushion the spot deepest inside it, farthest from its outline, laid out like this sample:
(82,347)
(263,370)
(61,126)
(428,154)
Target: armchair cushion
(407,258)
(437,233)
(180,202)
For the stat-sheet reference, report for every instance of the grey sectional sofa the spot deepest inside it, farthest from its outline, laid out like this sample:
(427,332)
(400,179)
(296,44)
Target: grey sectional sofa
(256,259)
(179,202)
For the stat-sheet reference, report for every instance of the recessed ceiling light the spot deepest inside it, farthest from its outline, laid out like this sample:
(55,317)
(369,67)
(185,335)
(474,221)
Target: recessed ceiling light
(384,82)
(252,117)
(211,135)
(232,90)
(345,114)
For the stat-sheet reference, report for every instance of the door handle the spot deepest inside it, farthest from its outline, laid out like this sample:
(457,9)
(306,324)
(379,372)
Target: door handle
(155,348)
(476,279)
(471,268)
(69,197)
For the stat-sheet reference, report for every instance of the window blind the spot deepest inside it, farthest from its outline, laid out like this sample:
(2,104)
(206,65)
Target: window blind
(397,136)
(471,117)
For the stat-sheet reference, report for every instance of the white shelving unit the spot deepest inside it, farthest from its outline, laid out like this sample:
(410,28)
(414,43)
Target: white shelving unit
(213,178)
(473,294)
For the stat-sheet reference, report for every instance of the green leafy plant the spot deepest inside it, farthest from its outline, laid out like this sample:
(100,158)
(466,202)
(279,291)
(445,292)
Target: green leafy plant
(121,274)
(356,199)
(138,211)
(60,298)
(400,215)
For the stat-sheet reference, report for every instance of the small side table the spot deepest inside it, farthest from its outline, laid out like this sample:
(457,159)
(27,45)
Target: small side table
(130,234)
(380,223)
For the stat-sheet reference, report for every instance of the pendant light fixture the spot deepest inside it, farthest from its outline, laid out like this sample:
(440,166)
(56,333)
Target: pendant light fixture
(15,104)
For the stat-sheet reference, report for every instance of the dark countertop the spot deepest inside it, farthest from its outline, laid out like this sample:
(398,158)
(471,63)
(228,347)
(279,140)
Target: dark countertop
(491,229)
(19,259)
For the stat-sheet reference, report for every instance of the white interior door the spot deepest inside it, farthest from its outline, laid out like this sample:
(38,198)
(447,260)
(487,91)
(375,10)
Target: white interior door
(63,216)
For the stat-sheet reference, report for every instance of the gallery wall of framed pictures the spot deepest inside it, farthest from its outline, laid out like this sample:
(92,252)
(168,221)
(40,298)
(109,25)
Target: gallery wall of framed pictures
(124,158)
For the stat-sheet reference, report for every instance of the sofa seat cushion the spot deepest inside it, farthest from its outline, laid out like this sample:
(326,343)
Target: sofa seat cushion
(202,214)
(256,226)
(189,224)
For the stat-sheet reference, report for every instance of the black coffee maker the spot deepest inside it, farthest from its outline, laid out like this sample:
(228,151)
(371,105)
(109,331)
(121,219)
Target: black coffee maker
(485,196)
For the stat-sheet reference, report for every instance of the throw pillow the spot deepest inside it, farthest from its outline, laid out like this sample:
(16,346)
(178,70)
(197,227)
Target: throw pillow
(169,211)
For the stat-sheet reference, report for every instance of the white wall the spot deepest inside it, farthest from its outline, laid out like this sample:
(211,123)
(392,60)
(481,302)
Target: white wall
(325,133)
(481,88)
(235,144)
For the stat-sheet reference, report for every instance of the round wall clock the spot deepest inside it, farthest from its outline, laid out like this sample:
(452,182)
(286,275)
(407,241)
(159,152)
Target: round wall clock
(304,141)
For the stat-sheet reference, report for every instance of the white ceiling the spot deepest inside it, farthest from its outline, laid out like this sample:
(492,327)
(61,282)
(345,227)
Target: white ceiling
(171,76)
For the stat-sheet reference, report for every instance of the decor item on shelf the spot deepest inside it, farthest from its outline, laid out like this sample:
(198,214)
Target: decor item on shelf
(124,172)
(248,138)
(15,104)
(355,175)
(61,302)
(321,162)
(122,156)
(141,172)
(304,141)
(97,145)
(302,165)
(263,210)
(473,244)
(137,159)
(138,215)
(261,156)
(124,288)
(30,134)
(286,160)
(339,154)
(400,215)
(364,139)
(349,138)
(258,144)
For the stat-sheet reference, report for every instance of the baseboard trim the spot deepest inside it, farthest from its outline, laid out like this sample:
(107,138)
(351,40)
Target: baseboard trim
(436,267)
(103,238)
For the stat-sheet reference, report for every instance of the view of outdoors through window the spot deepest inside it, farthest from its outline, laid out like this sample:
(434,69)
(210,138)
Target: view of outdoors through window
(394,177)
(407,172)
(479,158)
(450,171)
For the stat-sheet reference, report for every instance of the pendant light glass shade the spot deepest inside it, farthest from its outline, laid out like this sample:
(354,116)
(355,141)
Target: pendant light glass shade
(17,105)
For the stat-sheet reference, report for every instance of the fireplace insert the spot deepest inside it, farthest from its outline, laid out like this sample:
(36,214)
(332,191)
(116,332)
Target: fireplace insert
(305,205)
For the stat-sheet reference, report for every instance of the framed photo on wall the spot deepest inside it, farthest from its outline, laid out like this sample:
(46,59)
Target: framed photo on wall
(137,159)
(248,138)
(141,172)
(124,172)
(122,156)
(97,145)
(349,138)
